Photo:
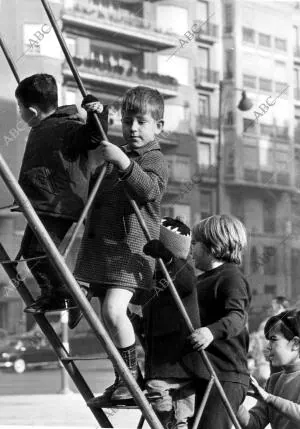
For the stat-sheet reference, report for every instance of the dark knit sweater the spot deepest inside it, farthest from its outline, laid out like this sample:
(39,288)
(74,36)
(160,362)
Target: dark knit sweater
(55,171)
(223,299)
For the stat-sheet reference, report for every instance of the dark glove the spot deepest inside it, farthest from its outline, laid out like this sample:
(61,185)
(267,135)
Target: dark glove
(156,249)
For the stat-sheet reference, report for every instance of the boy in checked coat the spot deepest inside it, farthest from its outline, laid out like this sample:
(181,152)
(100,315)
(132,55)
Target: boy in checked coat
(111,256)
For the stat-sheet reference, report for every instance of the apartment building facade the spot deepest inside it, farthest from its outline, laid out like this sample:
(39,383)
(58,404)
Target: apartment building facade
(184,49)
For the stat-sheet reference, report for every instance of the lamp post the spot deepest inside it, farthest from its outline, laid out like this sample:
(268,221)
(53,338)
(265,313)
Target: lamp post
(244,105)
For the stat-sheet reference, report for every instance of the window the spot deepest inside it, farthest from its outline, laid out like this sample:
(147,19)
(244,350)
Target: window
(177,67)
(203,55)
(205,158)
(248,35)
(296,78)
(172,19)
(280,87)
(249,81)
(295,271)
(203,103)
(296,35)
(202,10)
(264,40)
(280,44)
(265,84)
(270,289)
(71,44)
(266,155)
(228,17)
(179,167)
(237,207)
(269,216)
(229,63)
(249,125)
(250,157)
(269,260)
(167,211)
(205,204)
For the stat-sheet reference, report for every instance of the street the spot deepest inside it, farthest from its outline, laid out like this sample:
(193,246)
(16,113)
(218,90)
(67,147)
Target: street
(98,374)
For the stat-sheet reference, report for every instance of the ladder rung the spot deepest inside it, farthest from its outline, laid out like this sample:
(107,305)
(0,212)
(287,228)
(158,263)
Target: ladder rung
(94,357)
(129,403)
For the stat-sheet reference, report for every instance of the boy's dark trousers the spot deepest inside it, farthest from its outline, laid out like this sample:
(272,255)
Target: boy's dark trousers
(43,271)
(215,415)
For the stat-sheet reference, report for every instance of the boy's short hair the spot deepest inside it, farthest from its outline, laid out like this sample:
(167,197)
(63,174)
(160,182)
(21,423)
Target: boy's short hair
(143,100)
(38,90)
(224,237)
(287,322)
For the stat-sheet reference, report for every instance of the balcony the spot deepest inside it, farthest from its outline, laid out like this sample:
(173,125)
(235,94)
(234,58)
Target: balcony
(179,167)
(118,79)
(205,32)
(119,25)
(273,131)
(206,79)
(276,180)
(206,125)
(207,173)
(297,54)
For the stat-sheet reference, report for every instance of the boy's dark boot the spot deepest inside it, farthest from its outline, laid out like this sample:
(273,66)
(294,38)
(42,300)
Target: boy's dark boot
(50,300)
(121,391)
(75,314)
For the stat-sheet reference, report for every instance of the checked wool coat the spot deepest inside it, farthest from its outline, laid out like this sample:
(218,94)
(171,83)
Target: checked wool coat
(111,252)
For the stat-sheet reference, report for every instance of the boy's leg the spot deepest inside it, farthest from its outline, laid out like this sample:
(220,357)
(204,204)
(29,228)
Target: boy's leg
(161,400)
(184,404)
(215,414)
(114,314)
(53,290)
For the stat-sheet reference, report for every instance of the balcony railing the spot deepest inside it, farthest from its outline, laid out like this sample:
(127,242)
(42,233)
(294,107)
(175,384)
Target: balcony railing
(179,167)
(121,76)
(267,178)
(205,29)
(117,20)
(206,123)
(274,131)
(206,76)
(207,172)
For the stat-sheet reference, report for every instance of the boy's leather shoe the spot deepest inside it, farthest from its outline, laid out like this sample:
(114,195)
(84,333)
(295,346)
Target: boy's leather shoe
(44,304)
(75,314)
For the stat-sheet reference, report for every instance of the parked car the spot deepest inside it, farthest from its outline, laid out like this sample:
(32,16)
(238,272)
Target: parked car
(27,352)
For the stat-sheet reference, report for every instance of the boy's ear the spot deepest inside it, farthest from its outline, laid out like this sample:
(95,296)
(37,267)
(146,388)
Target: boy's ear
(160,125)
(296,345)
(34,111)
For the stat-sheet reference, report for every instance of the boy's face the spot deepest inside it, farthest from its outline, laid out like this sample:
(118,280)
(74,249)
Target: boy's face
(282,352)
(28,114)
(200,255)
(140,129)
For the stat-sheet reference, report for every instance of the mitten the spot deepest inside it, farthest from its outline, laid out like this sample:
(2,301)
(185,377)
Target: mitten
(156,249)
(91,104)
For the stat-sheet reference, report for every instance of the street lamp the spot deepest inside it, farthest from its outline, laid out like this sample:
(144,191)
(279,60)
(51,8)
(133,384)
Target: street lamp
(244,105)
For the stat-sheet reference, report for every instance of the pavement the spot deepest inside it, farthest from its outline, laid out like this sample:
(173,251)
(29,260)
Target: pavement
(63,411)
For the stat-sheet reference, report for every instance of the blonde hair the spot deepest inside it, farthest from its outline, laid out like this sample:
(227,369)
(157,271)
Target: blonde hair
(224,236)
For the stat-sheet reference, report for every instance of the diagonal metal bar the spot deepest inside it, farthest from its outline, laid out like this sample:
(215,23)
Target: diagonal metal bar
(9,58)
(59,263)
(203,403)
(184,314)
(55,342)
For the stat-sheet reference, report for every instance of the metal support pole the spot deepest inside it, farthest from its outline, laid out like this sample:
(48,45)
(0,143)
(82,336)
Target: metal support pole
(55,342)
(184,314)
(9,59)
(64,318)
(203,403)
(90,315)
(219,153)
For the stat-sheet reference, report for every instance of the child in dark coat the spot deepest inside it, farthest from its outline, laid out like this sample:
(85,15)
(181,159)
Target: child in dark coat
(223,299)
(54,175)
(111,256)
(169,385)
